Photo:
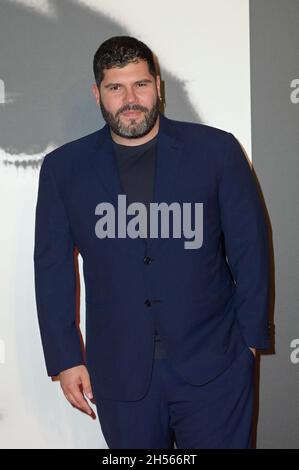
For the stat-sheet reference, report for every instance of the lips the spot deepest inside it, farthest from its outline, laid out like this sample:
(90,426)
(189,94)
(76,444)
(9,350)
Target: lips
(131,113)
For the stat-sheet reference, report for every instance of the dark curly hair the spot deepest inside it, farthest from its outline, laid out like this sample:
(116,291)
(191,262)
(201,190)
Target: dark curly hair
(118,51)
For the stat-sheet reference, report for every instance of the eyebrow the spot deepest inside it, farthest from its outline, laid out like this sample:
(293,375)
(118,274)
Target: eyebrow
(146,80)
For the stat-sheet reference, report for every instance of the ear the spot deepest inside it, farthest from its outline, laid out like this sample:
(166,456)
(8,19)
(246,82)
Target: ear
(96,93)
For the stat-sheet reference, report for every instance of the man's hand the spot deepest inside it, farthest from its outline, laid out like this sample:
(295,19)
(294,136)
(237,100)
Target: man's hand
(75,383)
(253,350)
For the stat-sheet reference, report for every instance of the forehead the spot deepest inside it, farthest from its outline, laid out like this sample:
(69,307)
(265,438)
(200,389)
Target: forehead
(130,72)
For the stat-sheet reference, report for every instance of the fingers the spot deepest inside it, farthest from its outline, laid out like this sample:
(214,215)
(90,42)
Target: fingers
(87,386)
(76,398)
(82,402)
(75,383)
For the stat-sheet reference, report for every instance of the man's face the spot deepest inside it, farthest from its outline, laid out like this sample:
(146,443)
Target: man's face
(129,99)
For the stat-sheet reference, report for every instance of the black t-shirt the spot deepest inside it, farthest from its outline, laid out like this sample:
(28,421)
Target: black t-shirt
(136,167)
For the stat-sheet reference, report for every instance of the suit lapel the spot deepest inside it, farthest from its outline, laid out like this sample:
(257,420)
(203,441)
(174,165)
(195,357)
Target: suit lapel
(104,164)
(169,152)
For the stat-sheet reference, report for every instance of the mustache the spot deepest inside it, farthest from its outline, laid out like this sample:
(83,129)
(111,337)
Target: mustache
(132,107)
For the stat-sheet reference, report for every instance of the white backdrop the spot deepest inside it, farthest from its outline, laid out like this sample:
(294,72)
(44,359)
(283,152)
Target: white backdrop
(204,44)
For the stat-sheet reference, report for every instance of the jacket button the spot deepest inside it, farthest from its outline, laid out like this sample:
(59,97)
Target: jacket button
(147,302)
(147,259)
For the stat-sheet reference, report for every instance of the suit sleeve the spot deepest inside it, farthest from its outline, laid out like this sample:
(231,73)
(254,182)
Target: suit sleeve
(55,277)
(246,243)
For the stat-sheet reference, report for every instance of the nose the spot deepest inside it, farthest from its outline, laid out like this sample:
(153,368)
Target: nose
(130,96)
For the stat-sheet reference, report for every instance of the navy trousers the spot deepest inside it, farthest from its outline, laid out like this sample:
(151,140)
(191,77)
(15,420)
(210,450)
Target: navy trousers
(216,415)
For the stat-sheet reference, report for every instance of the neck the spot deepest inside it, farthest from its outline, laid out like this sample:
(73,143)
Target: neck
(138,140)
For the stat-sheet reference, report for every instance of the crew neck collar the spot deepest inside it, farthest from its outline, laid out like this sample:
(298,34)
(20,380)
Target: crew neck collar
(136,147)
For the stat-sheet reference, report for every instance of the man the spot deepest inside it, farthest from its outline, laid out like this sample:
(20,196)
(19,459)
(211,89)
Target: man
(171,329)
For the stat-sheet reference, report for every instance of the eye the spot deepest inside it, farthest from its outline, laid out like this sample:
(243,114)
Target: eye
(114,87)
(142,84)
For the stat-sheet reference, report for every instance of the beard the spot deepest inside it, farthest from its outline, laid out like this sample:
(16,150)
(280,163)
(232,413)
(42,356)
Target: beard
(134,129)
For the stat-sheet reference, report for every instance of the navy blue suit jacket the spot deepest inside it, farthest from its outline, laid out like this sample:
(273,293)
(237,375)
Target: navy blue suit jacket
(213,301)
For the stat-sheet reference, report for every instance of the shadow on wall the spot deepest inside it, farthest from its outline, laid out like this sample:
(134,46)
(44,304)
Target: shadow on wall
(46,71)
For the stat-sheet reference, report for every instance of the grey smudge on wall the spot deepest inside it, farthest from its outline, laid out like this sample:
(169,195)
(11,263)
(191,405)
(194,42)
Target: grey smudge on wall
(46,67)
